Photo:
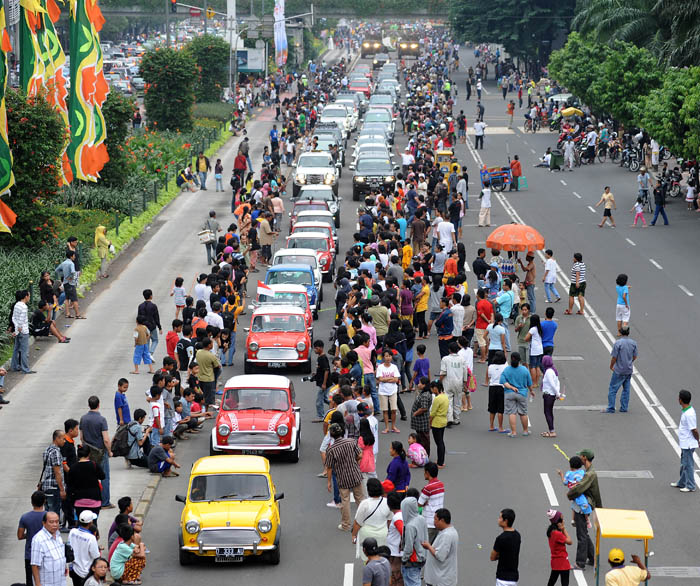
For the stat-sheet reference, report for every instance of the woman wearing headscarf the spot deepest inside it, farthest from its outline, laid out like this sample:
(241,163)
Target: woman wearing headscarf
(102,245)
(372,517)
(550,392)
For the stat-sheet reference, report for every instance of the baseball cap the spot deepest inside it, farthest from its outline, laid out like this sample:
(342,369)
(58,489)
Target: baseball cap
(388,486)
(87,517)
(587,453)
(616,556)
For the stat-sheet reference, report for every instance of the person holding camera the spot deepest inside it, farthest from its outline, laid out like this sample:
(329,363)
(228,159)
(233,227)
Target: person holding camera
(558,540)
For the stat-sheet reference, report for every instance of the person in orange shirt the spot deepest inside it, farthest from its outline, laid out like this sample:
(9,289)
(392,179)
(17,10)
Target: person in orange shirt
(510,109)
(516,170)
(451,266)
(407,255)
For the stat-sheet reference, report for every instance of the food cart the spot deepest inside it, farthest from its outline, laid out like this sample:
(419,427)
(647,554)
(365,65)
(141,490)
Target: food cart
(447,162)
(621,524)
(497,177)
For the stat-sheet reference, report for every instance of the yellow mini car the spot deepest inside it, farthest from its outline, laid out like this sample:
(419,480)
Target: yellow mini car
(231,511)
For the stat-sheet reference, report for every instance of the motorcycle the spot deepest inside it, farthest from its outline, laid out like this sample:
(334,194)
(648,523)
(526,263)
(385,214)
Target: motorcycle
(630,158)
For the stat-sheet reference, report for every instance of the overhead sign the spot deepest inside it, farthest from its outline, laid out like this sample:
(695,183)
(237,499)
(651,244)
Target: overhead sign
(195,12)
(251,60)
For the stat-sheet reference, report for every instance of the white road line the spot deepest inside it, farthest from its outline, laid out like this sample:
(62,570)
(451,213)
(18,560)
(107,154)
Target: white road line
(563,182)
(577,195)
(686,290)
(580,578)
(533,151)
(656,264)
(549,489)
(632,243)
(348,574)
(591,208)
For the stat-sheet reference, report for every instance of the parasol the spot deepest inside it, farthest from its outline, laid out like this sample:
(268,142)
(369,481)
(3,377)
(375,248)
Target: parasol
(515,237)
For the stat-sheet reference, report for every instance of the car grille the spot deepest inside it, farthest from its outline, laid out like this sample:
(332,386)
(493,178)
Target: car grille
(277,354)
(261,438)
(315,179)
(228,537)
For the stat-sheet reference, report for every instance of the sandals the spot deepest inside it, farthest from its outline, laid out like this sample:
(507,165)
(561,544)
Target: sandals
(548,434)
(567,312)
(579,313)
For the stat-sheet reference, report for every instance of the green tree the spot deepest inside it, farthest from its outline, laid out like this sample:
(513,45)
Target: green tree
(37,136)
(170,76)
(211,55)
(117,110)
(625,77)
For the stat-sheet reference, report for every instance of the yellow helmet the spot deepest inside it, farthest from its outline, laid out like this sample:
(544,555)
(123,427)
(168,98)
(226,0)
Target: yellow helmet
(616,556)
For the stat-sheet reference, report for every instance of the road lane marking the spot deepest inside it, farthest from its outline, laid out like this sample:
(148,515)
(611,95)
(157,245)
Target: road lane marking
(636,474)
(573,357)
(686,290)
(591,208)
(549,489)
(563,182)
(632,243)
(533,151)
(581,579)
(597,408)
(577,195)
(348,575)
(656,264)
(677,571)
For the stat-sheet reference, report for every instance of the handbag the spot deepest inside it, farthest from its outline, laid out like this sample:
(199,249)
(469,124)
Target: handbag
(69,553)
(207,235)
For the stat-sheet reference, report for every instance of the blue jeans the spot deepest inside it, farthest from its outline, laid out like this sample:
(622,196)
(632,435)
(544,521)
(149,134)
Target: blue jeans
(211,252)
(219,184)
(371,382)
(20,353)
(53,501)
(687,478)
(250,163)
(105,482)
(2,381)
(411,575)
(507,329)
(530,299)
(168,429)
(202,179)
(659,210)
(551,291)
(617,381)
(227,357)
(154,437)
(154,341)
(321,400)
(336,490)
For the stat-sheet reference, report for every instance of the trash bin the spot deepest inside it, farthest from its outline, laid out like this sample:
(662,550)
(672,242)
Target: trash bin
(557,160)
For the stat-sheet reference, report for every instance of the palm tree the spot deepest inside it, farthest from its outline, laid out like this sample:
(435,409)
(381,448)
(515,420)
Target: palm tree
(683,47)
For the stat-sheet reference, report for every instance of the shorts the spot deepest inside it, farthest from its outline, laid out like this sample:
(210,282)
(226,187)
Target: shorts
(495,399)
(209,391)
(505,583)
(388,402)
(491,355)
(42,331)
(70,291)
(481,337)
(607,213)
(515,403)
(141,353)
(579,291)
(548,351)
(535,361)
(622,313)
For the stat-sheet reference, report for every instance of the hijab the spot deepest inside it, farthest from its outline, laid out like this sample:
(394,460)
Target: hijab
(100,231)
(547,362)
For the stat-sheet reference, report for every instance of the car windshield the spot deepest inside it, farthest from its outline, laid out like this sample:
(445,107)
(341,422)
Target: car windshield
(274,322)
(249,399)
(320,244)
(297,259)
(302,229)
(375,150)
(374,166)
(315,161)
(378,116)
(324,144)
(320,194)
(285,297)
(230,487)
(381,99)
(290,277)
(359,83)
(334,112)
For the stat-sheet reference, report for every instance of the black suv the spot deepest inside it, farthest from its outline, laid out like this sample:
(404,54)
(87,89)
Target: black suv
(373,173)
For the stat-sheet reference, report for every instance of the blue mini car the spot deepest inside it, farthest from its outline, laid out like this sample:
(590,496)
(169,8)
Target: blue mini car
(297,274)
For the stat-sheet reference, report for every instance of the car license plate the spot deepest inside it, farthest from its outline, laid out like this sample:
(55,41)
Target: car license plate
(276,364)
(252,452)
(229,554)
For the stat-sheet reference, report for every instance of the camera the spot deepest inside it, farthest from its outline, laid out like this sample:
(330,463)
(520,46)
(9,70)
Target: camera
(306,379)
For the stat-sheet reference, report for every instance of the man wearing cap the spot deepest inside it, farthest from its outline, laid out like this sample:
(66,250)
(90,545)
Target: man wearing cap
(588,486)
(622,575)
(85,548)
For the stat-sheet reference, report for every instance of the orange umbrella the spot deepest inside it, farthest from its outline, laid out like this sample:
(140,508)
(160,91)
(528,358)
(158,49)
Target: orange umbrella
(515,237)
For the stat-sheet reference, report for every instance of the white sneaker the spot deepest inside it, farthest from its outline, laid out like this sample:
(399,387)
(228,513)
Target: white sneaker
(686,489)
(332,505)
(674,484)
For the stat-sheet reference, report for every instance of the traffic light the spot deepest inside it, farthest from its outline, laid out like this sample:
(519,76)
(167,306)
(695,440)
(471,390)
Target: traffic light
(173,6)
(210,13)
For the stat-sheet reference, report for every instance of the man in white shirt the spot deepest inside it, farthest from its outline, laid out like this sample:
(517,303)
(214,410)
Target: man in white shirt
(485,211)
(84,546)
(446,235)
(202,291)
(49,554)
(213,317)
(20,322)
(407,159)
(387,375)
(457,311)
(550,276)
(479,134)
(591,139)
(569,149)
(688,442)
(454,376)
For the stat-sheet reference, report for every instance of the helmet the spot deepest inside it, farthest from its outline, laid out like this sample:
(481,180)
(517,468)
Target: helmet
(616,556)
(642,169)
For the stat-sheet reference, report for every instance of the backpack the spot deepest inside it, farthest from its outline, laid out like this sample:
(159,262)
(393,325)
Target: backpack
(121,444)
(229,320)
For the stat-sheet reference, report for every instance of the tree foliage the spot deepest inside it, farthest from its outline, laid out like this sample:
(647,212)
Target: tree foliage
(37,136)
(211,55)
(170,76)
(117,110)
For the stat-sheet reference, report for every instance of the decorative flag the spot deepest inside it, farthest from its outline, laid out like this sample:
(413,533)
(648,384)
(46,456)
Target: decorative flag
(31,65)
(280,34)
(264,289)
(7,179)
(7,218)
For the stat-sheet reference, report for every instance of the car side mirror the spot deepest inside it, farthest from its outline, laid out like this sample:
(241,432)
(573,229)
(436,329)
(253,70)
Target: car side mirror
(246,329)
(351,167)
(279,496)
(340,198)
(180,498)
(396,167)
(296,409)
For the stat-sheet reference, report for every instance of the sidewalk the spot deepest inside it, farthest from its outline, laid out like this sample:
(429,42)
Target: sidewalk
(100,353)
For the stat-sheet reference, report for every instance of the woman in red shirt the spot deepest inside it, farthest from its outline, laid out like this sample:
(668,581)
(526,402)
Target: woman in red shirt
(558,540)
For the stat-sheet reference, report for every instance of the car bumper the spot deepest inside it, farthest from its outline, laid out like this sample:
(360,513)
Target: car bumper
(288,362)
(225,448)
(211,551)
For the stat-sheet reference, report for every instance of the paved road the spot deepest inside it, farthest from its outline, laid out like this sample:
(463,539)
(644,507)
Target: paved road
(484,473)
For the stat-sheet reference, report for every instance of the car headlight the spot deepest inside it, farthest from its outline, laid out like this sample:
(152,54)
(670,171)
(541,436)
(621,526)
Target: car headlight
(359,179)
(192,527)
(388,178)
(282,430)
(414,45)
(253,346)
(301,177)
(330,177)
(404,45)
(264,525)
(376,45)
(365,45)
(301,346)
(333,208)
(375,61)
(223,429)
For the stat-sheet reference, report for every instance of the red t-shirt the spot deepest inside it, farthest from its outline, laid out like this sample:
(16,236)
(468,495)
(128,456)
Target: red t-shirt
(171,340)
(485,307)
(557,545)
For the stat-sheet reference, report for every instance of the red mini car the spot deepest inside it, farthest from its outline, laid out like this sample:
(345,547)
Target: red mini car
(258,414)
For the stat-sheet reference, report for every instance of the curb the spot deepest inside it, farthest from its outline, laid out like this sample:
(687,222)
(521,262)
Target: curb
(146,498)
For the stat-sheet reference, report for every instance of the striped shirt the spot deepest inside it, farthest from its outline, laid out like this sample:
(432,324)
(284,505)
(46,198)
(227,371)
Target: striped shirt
(52,457)
(19,318)
(578,267)
(342,458)
(432,498)
(49,553)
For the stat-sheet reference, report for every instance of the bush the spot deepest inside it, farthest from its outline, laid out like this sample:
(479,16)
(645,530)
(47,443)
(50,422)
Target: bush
(81,223)
(215,110)
(110,199)
(118,111)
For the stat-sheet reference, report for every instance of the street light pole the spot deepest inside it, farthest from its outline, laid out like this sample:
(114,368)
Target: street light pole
(167,23)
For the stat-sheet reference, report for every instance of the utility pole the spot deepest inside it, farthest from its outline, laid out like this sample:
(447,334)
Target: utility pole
(167,23)
(204,10)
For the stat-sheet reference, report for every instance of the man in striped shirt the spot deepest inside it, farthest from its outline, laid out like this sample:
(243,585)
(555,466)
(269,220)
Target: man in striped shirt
(432,497)
(578,284)
(20,322)
(342,458)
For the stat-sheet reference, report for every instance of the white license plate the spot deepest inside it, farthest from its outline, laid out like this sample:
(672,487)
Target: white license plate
(276,364)
(229,554)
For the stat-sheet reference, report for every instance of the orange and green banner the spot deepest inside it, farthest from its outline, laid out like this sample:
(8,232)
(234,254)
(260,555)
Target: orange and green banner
(7,179)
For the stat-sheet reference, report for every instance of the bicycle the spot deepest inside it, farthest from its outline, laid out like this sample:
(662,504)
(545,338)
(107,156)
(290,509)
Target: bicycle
(531,125)
(646,202)
(602,152)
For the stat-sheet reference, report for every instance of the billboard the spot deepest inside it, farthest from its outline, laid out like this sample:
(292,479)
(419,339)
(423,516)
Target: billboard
(251,60)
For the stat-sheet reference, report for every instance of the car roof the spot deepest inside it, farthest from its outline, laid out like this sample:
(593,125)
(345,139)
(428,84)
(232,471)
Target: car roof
(304,213)
(278,310)
(305,235)
(230,463)
(300,224)
(295,251)
(315,187)
(289,288)
(294,266)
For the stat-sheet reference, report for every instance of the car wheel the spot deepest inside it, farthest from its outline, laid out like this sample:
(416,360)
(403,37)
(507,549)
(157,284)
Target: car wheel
(247,367)
(337,221)
(315,314)
(273,557)
(306,367)
(185,557)
(212,451)
(320,290)
(293,456)
(327,277)
(355,195)
(295,190)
